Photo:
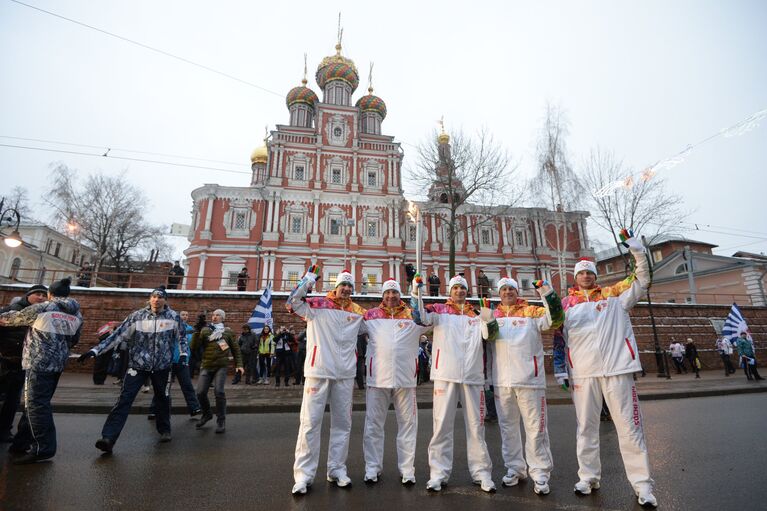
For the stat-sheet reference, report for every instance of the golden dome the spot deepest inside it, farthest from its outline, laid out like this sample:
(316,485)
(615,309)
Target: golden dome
(259,155)
(443,138)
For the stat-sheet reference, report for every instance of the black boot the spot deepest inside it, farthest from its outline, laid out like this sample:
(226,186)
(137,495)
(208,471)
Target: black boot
(206,417)
(221,414)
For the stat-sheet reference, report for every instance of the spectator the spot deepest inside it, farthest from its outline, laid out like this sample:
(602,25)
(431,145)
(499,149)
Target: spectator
(265,354)
(54,327)
(175,276)
(424,357)
(151,334)
(362,348)
(691,351)
(11,347)
(677,355)
(724,347)
(747,357)
(242,279)
(484,285)
(284,356)
(434,283)
(195,355)
(301,357)
(249,348)
(84,275)
(217,340)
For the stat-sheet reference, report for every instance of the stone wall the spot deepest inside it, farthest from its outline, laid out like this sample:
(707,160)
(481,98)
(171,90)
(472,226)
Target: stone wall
(672,320)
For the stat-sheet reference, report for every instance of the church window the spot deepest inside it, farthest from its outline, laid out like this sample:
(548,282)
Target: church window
(372,228)
(335,226)
(296,224)
(299,173)
(335,175)
(372,178)
(337,131)
(239,221)
(411,233)
(486,237)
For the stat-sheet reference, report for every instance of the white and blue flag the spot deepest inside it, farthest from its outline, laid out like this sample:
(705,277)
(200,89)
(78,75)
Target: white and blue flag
(734,325)
(262,313)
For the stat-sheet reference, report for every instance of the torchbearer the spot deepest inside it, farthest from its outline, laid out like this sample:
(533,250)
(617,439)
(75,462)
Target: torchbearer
(392,369)
(458,375)
(601,355)
(332,325)
(519,381)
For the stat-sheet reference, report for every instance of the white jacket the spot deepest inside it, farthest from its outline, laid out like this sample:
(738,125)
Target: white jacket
(391,360)
(331,335)
(600,340)
(676,349)
(517,351)
(457,345)
(724,346)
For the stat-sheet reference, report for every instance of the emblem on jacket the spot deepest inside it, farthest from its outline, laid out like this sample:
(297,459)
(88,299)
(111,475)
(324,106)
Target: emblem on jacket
(601,305)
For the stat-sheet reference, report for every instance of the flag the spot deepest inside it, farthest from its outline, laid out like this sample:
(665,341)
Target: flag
(262,313)
(734,325)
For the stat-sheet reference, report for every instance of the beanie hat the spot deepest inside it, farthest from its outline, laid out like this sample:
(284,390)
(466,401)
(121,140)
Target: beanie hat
(458,281)
(159,291)
(61,287)
(221,313)
(507,281)
(585,264)
(392,285)
(37,288)
(345,278)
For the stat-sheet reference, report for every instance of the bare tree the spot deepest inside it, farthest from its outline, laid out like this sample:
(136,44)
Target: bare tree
(463,175)
(555,182)
(18,199)
(642,204)
(108,212)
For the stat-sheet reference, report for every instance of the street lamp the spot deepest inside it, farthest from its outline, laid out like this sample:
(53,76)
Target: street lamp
(10,218)
(660,359)
(348,222)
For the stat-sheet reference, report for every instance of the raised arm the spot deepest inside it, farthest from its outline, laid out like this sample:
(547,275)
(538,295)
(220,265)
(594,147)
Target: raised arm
(296,302)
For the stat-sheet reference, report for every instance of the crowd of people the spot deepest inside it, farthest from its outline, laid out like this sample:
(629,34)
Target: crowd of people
(388,350)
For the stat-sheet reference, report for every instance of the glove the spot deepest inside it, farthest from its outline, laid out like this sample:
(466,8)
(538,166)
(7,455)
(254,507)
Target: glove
(630,241)
(542,286)
(485,310)
(418,285)
(85,356)
(311,275)
(564,382)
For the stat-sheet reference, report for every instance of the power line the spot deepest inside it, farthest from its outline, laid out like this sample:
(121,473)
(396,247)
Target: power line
(151,48)
(112,148)
(142,160)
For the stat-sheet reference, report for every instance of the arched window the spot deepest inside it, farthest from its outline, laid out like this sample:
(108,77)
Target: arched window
(15,265)
(682,268)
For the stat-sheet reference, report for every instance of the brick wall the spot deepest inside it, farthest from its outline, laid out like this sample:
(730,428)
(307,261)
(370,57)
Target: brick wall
(677,320)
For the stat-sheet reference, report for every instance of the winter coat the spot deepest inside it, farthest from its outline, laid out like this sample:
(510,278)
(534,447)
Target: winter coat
(391,360)
(151,338)
(55,327)
(12,337)
(677,350)
(266,345)
(332,325)
(517,352)
(745,348)
(216,348)
(247,343)
(597,328)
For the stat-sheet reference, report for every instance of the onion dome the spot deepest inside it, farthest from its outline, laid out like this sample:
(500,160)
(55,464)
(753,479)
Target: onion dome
(260,154)
(337,67)
(301,94)
(443,137)
(371,103)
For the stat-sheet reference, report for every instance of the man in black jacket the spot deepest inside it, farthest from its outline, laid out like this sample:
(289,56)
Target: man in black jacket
(11,373)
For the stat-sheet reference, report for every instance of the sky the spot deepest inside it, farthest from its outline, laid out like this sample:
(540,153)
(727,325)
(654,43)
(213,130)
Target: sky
(642,79)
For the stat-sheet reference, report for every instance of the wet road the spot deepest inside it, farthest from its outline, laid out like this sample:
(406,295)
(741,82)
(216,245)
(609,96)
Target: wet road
(706,453)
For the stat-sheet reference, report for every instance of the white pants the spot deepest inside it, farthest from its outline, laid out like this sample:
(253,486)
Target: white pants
(446,398)
(530,404)
(406,409)
(620,394)
(317,392)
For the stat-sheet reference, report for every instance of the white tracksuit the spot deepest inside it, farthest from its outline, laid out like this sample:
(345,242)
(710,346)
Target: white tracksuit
(391,364)
(519,385)
(458,374)
(330,367)
(601,356)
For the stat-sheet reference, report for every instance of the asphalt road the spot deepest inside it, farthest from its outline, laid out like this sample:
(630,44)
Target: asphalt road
(706,453)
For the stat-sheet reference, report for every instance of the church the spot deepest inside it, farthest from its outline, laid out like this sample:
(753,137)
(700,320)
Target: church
(327,189)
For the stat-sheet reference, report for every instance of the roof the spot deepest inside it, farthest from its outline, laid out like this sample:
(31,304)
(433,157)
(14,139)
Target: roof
(612,252)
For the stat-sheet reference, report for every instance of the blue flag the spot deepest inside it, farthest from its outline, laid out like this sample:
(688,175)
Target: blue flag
(262,313)
(734,325)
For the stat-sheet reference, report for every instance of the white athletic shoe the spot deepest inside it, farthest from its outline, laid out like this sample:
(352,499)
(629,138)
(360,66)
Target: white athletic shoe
(408,480)
(370,478)
(541,488)
(300,488)
(487,485)
(434,485)
(647,499)
(512,478)
(585,487)
(342,481)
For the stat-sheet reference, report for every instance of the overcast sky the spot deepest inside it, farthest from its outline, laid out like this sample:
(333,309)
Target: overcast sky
(643,79)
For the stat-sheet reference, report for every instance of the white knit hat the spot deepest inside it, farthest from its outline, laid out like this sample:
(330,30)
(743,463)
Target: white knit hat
(392,285)
(585,264)
(344,278)
(221,313)
(507,281)
(458,281)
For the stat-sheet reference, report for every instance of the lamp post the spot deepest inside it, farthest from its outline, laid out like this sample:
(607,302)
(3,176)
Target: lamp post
(660,359)
(347,222)
(10,219)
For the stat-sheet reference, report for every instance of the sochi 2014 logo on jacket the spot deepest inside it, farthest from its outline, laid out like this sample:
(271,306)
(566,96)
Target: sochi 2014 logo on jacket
(601,305)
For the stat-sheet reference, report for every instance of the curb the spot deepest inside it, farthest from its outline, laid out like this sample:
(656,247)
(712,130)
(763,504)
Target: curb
(359,407)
